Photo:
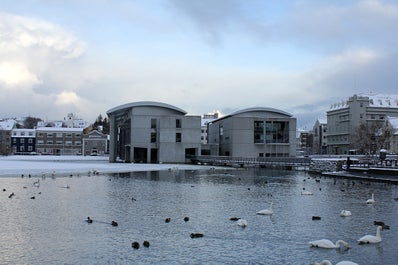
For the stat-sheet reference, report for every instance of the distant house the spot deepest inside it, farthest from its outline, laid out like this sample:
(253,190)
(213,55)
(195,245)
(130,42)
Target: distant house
(393,121)
(253,132)
(59,141)
(95,143)
(6,127)
(152,132)
(23,141)
(319,146)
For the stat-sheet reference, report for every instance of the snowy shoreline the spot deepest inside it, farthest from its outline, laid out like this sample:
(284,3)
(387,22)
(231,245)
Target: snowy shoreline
(11,166)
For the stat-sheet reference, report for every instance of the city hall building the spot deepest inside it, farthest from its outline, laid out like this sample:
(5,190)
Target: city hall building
(153,132)
(253,132)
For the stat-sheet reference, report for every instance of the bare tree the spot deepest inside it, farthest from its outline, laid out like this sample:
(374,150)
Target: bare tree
(370,137)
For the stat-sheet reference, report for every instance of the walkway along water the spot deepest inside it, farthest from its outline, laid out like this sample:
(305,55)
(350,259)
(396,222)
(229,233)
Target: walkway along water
(330,166)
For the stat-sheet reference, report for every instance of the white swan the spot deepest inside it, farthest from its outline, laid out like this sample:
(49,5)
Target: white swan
(327,262)
(344,213)
(325,243)
(370,238)
(242,222)
(266,211)
(372,200)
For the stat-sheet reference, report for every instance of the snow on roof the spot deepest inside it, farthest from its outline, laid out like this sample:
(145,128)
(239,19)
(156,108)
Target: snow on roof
(59,129)
(375,100)
(7,125)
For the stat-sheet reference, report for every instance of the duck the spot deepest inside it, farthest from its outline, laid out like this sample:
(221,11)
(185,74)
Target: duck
(242,222)
(325,243)
(327,262)
(370,239)
(114,223)
(135,245)
(344,213)
(89,220)
(315,217)
(372,200)
(146,244)
(196,235)
(186,219)
(266,211)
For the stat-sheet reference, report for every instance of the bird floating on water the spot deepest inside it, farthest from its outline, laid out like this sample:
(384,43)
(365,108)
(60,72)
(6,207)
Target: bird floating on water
(372,200)
(268,211)
(344,213)
(371,239)
(326,243)
(327,262)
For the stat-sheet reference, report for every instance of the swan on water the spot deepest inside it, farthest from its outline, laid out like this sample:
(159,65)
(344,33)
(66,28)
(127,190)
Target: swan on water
(242,222)
(370,238)
(327,262)
(325,243)
(266,211)
(372,200)
(345,213)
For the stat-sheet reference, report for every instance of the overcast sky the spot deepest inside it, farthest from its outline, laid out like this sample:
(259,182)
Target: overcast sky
(88,56)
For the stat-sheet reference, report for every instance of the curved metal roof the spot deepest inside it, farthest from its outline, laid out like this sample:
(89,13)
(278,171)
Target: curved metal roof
(145,104)
(260,109)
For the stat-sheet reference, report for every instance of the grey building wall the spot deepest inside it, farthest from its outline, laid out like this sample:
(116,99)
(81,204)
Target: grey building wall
(344,118)
(152,132)
(245,133)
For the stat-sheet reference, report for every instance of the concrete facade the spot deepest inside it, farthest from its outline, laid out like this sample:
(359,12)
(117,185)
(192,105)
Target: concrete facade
(153,132)
(343,118)
(253,132)
(320,137)
(95,143)
(59,141)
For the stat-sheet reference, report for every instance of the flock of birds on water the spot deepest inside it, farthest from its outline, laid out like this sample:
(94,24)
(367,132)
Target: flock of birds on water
(322,243)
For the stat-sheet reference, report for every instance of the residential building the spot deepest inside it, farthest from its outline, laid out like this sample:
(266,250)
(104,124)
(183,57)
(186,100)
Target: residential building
(70,121)
(95,143)
(6,126)
(152,132)
(343,118)
(319,146)
(393,121)
(59,141)
(206,119)
(306,140)
(23,141)
(253,132)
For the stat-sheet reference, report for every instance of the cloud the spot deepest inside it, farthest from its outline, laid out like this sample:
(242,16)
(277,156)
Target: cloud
(335,25)
(33,54)
(15,75)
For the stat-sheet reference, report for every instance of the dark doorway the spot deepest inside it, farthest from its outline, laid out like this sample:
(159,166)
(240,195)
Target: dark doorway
(140,155)
(154,155)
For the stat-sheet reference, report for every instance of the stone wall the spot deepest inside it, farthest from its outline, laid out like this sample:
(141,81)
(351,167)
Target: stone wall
(326,165)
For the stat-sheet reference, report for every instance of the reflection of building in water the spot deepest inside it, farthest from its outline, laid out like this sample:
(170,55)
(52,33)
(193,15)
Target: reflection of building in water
(253,132)
(152,132)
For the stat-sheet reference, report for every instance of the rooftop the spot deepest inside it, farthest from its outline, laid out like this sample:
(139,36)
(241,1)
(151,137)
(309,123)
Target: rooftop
(375,100)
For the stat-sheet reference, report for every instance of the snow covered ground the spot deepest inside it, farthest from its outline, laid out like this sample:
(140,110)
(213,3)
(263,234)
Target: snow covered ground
(55,165)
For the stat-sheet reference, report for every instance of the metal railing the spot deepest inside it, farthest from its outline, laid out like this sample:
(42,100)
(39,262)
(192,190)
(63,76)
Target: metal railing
(253,161)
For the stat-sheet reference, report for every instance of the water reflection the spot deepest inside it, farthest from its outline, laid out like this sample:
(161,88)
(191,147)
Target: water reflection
(52,228)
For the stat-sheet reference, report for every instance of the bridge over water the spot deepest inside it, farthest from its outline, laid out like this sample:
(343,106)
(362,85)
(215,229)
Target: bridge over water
(278,162)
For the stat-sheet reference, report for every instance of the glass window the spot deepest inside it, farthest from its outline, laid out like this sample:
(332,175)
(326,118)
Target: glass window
(259,132)
(178,123)
(153,137)
(153,123)
(178,137)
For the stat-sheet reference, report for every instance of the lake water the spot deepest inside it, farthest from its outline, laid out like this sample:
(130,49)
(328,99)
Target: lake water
(51,228)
